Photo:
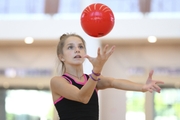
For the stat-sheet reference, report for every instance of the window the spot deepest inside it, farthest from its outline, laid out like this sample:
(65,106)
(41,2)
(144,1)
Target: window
(21,6)
(167,104)
(70,6)
(21,104)
(135,105)
(121,5)
(165,6)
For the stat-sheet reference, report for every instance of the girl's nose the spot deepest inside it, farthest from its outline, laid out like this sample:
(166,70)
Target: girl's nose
(77,50)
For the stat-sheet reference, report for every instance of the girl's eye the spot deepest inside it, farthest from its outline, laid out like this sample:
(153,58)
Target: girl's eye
(81,47)
(70,47)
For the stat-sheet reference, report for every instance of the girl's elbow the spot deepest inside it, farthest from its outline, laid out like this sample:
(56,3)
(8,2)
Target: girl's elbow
(84,100)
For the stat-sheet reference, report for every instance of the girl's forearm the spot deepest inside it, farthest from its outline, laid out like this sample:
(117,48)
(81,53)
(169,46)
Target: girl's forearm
(88,89)
(127,85)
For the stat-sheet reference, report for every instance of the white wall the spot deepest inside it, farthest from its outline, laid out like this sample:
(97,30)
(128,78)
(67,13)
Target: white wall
(52,28)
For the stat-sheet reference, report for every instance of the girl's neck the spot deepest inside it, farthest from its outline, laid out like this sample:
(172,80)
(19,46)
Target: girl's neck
(75,76)
(75,72)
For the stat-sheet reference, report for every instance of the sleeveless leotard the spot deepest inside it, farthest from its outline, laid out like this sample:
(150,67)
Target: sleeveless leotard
(73,110)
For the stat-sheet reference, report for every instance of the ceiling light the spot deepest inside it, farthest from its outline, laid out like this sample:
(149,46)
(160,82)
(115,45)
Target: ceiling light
(152,39)
(28,40)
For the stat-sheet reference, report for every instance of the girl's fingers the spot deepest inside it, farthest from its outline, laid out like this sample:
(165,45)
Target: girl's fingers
(106,53)
(88,57)
(111,50)
(105,49)
(159,82)
(150,74)
(99,52)
(150,90)
(156,87)
(153,88)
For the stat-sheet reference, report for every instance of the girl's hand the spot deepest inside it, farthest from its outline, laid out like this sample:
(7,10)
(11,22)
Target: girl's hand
(151,85)
(101,58)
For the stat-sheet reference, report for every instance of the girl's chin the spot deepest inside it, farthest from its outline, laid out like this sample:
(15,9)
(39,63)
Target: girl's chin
(78,63)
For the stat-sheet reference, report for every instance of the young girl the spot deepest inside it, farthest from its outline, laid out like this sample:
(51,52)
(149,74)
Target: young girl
(75,93)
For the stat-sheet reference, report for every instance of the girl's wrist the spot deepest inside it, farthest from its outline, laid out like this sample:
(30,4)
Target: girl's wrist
(94,78)
(95,75)
(96,71)
(143,88)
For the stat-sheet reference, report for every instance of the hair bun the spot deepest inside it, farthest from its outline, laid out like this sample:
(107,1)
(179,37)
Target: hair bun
(62,36)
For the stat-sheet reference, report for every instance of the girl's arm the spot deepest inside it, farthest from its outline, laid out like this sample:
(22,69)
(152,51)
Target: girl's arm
(61,87)
(150,85)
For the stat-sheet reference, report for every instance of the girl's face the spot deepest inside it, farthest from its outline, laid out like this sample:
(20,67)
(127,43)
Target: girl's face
(73,51)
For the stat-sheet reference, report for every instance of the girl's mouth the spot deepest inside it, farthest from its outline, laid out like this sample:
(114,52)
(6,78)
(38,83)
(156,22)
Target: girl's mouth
(77,56)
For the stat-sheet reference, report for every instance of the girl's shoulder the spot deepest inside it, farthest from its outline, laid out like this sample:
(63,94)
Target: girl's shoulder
(58,79)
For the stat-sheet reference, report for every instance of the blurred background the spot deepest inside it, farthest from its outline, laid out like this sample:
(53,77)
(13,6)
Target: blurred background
(146,35)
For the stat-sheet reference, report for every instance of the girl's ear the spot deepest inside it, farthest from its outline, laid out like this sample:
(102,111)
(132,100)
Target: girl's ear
(61,58)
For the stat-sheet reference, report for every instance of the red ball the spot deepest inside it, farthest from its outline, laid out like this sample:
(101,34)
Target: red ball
(97,20)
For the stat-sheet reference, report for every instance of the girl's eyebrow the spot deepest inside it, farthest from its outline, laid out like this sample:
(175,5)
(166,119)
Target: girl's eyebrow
(80,43)
(70,44)
(73,44)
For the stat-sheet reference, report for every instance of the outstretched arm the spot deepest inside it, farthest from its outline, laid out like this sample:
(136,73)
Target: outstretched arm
(151,85)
